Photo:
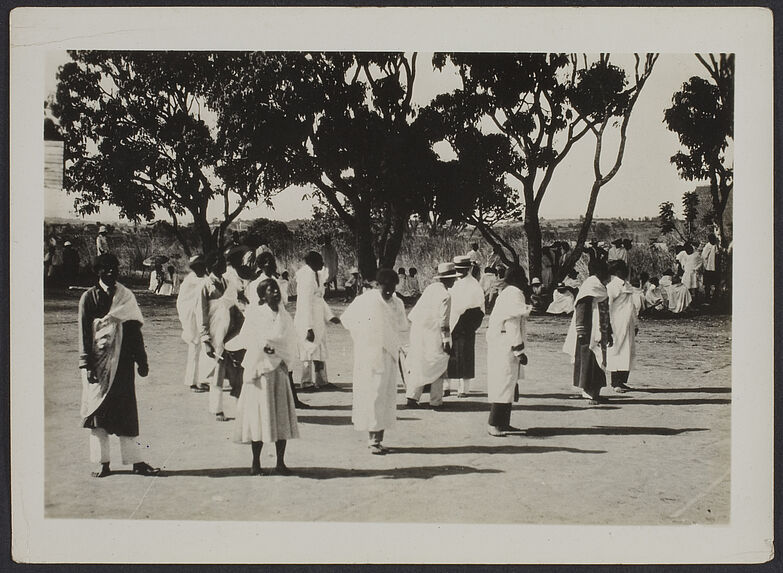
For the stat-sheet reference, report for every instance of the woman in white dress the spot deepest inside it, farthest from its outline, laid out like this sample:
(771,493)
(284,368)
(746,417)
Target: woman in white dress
(265,409)
(506,333)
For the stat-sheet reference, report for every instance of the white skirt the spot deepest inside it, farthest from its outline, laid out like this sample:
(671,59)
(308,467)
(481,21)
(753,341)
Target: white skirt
(265,409)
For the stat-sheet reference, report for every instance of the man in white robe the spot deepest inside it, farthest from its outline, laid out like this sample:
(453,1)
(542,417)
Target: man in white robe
(506,337)
(467,313)
(430,340)
(312,314)
(187,303)
(376,320)
(692,268)
(621,356)
(709,255)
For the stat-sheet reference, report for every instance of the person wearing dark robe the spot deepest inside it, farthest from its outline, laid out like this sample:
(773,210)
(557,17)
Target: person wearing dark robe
(467,312)
(590,333)
(70,263)
(110,344)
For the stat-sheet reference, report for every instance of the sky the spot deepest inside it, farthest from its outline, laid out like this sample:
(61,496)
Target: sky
(645,179)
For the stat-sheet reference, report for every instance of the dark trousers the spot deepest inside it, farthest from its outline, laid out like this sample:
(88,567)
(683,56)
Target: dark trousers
(500,415)
(620,378)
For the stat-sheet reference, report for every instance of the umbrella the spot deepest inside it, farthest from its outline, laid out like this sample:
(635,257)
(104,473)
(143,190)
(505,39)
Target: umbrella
(155,260)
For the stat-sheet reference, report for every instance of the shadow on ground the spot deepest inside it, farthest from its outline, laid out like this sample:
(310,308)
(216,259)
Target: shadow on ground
(611,431)
(419,472)
(476,449)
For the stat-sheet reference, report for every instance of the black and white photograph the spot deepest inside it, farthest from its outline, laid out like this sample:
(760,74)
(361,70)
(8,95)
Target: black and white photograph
(420,292)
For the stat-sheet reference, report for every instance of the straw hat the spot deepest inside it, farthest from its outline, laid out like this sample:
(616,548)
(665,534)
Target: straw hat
(446,271)
(102,229)
(462,261)
(67,244)
(535,281)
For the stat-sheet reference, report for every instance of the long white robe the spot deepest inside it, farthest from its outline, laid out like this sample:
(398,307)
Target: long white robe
(376,327)
(692,269)
(312,313)
(466,293)
(653,296)
(562,302)
(507,328)
(621,356)
(187,304)
(679,297)
(426,360)
(592,287)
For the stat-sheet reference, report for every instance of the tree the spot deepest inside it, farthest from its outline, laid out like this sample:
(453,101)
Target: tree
(702,116)
(600,94)
(525,98)
(368,153)
(139,135)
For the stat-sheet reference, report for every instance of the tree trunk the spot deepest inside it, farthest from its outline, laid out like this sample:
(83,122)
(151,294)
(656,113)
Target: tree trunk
(365,254)
(208,240)
(534,241)
(575,254)
(391,248)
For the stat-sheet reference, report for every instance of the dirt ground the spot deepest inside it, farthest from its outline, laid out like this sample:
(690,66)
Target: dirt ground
(659,455)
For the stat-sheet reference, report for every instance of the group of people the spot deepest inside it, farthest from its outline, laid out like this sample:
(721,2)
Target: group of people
(164,282)
(233,310)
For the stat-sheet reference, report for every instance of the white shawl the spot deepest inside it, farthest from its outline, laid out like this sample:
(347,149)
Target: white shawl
(375,324)
(592,287)
(265,327)
(187,303)
(466,293)
(107,342)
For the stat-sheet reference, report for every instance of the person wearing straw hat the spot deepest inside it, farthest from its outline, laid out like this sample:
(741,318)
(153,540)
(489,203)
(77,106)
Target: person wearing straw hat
(102,242)
(430,340)
(353,286)
(187,305)
(467,312)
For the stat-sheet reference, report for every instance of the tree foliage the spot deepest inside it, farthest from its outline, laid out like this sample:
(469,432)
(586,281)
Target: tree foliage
(137,136)
(702,116)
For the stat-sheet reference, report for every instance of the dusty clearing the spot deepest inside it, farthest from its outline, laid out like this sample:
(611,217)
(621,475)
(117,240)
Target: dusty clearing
(659,455)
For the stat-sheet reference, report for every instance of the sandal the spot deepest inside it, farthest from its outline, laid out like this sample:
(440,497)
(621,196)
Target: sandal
(220,417)
(103,472)
(198,389)
(144,469)
(377,450)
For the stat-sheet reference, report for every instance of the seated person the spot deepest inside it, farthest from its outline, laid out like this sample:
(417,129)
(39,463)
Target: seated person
(665,283)
(653,299)
(572,281)
(539,296)
(562,300)
(413,283)
(679,296)
(354,285)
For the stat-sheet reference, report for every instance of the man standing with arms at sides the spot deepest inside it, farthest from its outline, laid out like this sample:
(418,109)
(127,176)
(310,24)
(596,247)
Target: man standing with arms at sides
(312,314)
(376,320)
(709,255)
(110,343)
(213,318)
(102,242)
(430,341)
(187,305)
(467,312)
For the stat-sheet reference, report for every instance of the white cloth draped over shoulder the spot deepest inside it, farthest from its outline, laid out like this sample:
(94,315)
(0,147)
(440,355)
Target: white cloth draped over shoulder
(679,297)
(692,267)
(187,305)
(466,293)
(312,313)
(562,302)
(621,356)
(592,287)
(251,291)
(426,360)
(507,328)
(376,327)
(265,327)
(107,341)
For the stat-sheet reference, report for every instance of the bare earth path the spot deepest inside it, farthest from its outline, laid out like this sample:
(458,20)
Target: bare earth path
(659,455)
